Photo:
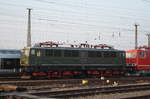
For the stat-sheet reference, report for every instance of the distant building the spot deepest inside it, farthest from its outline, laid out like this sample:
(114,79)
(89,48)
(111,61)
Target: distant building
(9,58)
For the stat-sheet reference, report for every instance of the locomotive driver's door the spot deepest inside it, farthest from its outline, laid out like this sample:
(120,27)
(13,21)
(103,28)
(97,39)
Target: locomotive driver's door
(83,57)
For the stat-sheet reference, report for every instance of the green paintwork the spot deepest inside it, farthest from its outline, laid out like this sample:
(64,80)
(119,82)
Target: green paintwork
(35,60)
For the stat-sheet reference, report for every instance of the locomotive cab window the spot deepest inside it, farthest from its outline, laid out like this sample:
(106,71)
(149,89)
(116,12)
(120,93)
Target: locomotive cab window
(32,52)
(142,54)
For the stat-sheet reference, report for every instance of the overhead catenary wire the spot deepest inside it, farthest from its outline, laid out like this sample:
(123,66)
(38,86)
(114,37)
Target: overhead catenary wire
(92,11)
(89,25)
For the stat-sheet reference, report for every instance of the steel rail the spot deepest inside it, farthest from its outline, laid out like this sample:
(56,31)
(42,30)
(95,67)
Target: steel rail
(92,91)
(79,92)
(138,97)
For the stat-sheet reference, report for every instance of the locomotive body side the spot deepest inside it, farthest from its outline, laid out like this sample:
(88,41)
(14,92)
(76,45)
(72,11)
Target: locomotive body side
(73,59)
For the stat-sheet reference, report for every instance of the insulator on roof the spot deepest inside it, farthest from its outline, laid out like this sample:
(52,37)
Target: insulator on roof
(84,45)
(47,44)
(103,46)
(81,45)
(144,47)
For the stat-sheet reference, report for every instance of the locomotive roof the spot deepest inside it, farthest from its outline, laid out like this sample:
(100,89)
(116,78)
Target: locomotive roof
(137,50)
(141,48)
(73,48)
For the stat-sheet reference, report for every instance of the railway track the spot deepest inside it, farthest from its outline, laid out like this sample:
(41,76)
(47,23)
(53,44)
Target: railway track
(139,97)
(69,83)
(21,81)
(66,94)
(92,91)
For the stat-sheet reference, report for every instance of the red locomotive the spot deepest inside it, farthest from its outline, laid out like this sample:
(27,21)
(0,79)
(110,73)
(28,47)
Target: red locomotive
(139,60)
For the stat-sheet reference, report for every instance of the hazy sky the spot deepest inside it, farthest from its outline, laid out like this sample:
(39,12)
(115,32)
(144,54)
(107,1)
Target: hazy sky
(96,21)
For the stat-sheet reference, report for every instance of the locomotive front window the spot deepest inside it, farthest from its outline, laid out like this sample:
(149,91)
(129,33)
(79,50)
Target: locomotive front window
(32,52)
(131,54)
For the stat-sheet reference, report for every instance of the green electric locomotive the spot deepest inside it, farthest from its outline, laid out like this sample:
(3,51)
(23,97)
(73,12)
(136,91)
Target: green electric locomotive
(87,60)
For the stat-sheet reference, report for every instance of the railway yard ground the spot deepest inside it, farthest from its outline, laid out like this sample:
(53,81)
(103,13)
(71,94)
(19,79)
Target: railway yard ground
(87,88)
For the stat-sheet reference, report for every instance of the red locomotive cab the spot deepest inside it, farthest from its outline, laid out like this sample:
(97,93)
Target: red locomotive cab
(139,60)
(143,60)
(131,58)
